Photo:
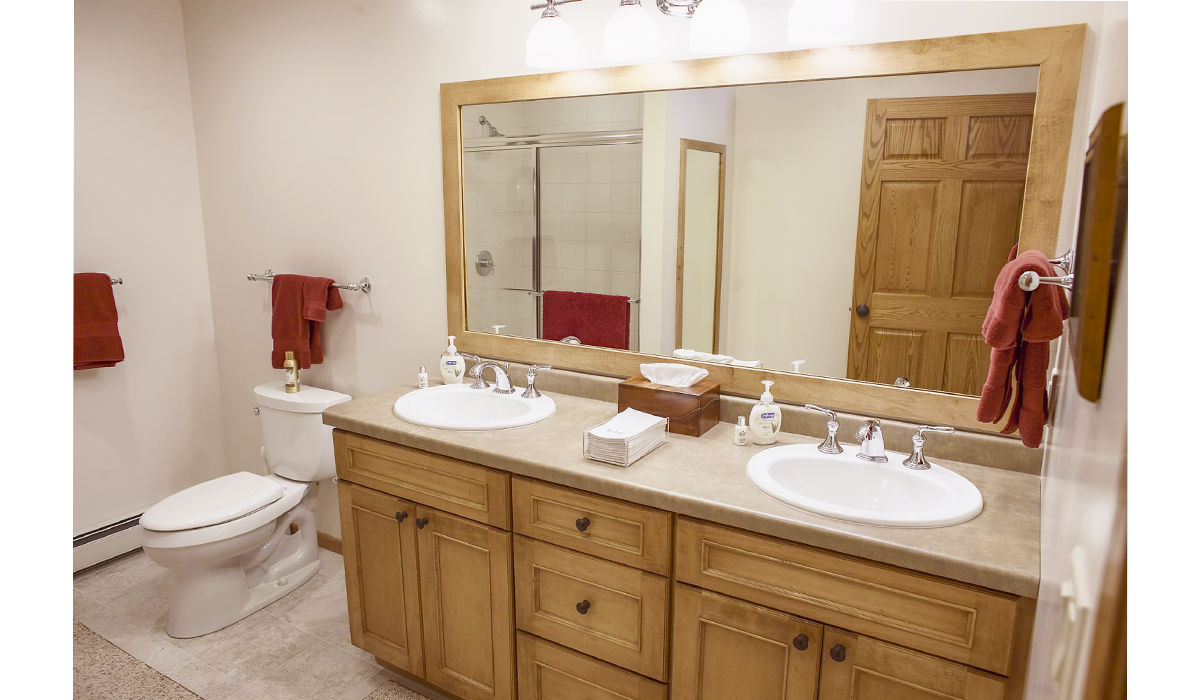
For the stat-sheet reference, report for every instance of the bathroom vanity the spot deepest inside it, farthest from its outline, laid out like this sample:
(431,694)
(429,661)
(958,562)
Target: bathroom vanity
(503,564)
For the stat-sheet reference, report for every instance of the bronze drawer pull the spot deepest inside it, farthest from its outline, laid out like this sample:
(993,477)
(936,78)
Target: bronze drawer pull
(583,607)
(401,516)
(582,524)
(838,653)
(800,642)
(422,522)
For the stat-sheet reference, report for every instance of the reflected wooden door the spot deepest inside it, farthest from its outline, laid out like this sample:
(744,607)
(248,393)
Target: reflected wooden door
(939,210)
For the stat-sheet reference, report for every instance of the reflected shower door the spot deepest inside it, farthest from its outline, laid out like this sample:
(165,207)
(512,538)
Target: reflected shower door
(500,226)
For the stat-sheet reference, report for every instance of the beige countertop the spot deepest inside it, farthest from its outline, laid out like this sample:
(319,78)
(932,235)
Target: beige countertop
(705,478)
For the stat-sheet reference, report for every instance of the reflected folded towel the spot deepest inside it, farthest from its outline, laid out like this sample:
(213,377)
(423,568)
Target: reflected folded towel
(97,339)
(697,356)
(595,319)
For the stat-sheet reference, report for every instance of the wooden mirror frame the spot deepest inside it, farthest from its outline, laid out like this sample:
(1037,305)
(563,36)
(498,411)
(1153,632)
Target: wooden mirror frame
(686,145)
(1056,51)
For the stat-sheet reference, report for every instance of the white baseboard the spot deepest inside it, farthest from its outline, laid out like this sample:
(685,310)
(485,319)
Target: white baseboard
(107,547)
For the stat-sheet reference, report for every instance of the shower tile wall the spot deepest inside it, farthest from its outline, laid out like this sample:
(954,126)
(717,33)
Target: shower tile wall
(590,207)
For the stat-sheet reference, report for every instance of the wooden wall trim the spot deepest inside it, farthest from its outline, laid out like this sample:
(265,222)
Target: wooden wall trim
(333,544)
(1056,51)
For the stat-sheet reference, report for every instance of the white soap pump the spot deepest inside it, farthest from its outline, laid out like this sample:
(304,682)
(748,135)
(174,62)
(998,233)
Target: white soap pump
(765,418)
(452,366)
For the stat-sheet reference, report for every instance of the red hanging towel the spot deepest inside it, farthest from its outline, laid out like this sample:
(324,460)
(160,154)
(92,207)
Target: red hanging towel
(596,319)
(298,306)
(97,339)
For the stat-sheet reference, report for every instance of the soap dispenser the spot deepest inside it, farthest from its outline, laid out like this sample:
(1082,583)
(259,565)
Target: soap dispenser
(765,418)
(452,365)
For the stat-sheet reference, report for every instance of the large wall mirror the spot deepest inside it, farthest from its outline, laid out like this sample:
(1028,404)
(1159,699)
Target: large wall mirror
(847,230)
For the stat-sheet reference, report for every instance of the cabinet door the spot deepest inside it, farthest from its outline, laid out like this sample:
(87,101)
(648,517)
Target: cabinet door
(866,669)
(466,601)
(379,542)
(724,648)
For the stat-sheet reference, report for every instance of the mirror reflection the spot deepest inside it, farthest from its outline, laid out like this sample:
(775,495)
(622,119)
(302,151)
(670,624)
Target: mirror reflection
(848,228)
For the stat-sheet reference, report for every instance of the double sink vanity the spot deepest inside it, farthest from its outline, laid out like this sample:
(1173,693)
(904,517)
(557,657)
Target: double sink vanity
(503,564)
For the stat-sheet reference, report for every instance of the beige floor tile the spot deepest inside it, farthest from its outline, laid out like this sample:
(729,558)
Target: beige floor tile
(332,564)
(243,694)
(81,603)
(194,645)
(320,673)
(322,612)
(146,607)
(123,576)
(156,652)
(301,592)
(365,688)
(116,627)
(256,650)
(203,680)
(341,640)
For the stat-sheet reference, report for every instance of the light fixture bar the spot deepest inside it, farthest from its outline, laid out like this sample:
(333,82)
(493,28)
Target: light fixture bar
(679,9)
(551,3)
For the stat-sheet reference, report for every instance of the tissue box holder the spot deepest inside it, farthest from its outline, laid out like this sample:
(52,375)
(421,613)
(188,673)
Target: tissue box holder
(692,410)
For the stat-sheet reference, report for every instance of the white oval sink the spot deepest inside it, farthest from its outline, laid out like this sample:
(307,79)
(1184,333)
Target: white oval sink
(847,488)
(459,407)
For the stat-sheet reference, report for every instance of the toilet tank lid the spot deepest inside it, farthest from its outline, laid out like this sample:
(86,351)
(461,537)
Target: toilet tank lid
(213,502)
(309,399)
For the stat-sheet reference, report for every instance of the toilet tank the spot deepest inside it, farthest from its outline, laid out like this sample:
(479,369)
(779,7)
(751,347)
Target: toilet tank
(296,444)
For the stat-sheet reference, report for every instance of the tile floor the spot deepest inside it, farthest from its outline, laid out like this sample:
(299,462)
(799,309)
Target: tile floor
(297,648)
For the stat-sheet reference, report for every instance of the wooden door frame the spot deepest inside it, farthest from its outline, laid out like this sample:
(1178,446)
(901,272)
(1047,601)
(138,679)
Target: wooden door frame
(686,145)
(1056,51)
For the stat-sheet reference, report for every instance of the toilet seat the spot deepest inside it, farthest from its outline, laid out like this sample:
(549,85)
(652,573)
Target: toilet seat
(257,503)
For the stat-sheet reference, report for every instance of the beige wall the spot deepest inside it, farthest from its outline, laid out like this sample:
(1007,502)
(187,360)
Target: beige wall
(799,149)
(317,129)
(1085,455)
(151,425)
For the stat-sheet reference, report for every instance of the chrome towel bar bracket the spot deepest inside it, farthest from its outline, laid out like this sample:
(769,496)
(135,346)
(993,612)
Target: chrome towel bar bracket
(1030,281)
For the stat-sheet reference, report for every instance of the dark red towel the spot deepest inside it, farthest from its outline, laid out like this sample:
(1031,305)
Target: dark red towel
(97,340)
(596,319)
(298,306)
(1019,326)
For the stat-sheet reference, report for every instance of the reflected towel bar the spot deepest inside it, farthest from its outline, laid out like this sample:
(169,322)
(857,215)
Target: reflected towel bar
(363,285)
(538,294)
(1032,280)
(115,280)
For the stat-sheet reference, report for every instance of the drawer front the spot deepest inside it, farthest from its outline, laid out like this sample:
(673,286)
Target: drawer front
(951,620)
(471,491)
(547,671)
(861,668)
(606,610)
(603,527)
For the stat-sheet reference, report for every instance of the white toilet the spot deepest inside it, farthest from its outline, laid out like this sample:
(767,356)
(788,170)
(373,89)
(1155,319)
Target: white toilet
(242,541)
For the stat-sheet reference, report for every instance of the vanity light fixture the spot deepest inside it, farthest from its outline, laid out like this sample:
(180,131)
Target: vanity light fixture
(630,34)
(718,27)
(551,42)
(820,22)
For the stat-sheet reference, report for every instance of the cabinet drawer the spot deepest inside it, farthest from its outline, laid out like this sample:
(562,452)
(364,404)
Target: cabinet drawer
(471,491)
(606,610)
(547,671)
(944,618)
(872,670)
(606,528)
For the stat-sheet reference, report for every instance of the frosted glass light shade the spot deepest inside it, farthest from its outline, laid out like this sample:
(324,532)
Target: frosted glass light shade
(820,22)
(551,44)
(630,35)
(719,26)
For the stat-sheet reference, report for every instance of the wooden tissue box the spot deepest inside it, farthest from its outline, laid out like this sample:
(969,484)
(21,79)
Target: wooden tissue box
(692,410)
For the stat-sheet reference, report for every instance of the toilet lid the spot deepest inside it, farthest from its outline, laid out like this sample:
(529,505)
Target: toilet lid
(213,502)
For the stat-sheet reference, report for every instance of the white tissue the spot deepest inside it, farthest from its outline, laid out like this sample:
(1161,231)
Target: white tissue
(685,354)
(671,374)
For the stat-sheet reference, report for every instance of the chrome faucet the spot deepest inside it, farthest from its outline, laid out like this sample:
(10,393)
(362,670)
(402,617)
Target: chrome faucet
(531,392)
(916,460)
(830,446)
(503,385)
(871,436)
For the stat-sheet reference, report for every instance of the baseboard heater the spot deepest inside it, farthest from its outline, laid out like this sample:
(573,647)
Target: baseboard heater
(104,543)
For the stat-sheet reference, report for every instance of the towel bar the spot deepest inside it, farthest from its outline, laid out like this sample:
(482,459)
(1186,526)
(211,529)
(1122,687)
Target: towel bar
(538,294)
(1030,281)
(363,285)
(115,280)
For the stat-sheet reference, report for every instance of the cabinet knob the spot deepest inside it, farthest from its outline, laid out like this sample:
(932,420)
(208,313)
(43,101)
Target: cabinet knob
(800,642)
(422,522)
(401,516)
(582,607)
(838,653)
(582,524)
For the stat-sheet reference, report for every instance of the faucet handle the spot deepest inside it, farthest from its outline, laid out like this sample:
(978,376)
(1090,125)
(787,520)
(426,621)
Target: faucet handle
(820,409)
(531,392)
(917,460)
(830,446)
(867,430)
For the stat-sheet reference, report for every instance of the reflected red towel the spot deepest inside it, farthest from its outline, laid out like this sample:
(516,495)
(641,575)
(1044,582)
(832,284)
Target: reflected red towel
(298,306)
(1019,326)
(97,339)
(596,319)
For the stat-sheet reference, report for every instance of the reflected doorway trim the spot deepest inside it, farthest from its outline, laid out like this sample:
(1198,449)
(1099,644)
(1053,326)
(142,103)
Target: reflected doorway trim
(684,146)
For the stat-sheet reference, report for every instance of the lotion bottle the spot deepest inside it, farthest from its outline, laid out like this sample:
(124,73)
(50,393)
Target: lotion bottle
(422,379)
(452,365)
(765,418)
(740,431)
